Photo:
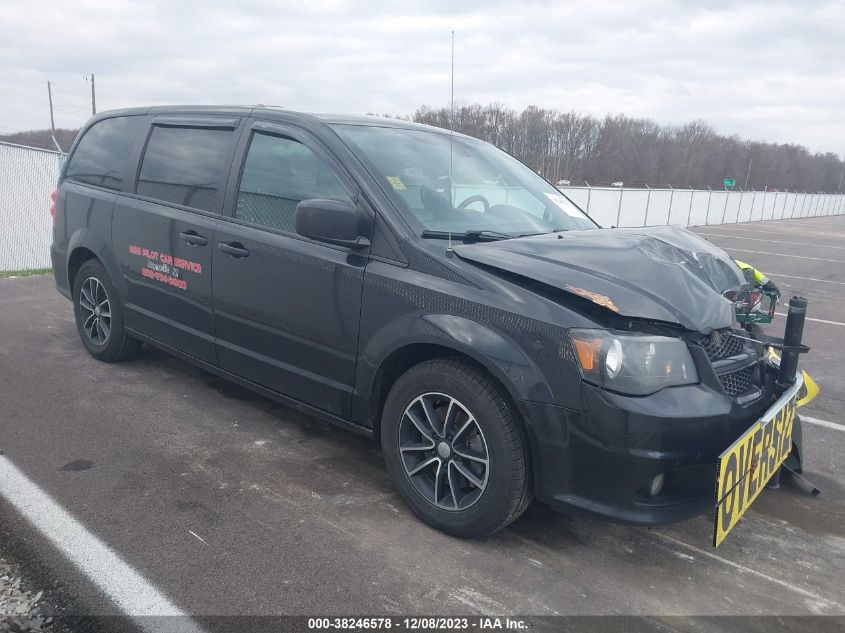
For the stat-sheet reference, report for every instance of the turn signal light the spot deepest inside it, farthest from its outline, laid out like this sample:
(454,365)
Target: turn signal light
(53,197)
(588,352)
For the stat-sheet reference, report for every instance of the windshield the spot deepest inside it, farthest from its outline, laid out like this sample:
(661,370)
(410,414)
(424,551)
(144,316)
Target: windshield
(489,190)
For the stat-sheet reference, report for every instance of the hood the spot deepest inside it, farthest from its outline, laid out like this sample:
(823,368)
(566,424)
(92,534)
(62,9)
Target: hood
(662,273)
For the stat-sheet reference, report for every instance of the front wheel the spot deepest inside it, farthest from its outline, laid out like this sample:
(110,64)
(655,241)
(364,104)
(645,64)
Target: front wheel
(456,449)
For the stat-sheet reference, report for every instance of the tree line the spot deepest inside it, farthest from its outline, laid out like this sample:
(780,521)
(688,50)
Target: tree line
(41,138)
(616,148)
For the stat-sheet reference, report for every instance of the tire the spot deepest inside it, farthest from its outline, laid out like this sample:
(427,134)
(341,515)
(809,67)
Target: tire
(437,466)
(99,315)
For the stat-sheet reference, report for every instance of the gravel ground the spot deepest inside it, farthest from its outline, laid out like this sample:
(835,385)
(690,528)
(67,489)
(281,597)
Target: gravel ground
(19,603)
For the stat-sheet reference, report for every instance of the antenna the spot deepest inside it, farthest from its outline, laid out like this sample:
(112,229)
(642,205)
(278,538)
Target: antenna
(451,136)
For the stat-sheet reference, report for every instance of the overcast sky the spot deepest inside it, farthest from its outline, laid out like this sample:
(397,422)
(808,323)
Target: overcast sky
(767,70)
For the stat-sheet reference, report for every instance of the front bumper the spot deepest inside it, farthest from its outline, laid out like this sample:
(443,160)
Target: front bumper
(603,460)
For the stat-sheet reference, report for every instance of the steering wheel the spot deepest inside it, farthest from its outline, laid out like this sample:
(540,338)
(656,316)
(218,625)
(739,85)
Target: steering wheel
(472,199)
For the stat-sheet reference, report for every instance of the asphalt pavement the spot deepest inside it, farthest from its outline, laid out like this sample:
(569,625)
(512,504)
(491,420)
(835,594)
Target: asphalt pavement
(230,504)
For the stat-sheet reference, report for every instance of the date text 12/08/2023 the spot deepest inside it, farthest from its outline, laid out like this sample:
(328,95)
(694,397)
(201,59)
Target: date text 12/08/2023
(165,268)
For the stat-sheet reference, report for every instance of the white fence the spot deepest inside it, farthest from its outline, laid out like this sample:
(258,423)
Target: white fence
(27,177)
(617,206)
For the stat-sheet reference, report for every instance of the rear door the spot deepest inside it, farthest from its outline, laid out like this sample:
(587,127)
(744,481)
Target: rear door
(163,232)
(286,307)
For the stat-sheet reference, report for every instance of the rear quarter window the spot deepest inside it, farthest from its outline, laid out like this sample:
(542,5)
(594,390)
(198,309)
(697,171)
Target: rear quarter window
(184,165)
(100,157)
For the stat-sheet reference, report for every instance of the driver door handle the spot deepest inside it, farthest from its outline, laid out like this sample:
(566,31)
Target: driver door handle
(235,249)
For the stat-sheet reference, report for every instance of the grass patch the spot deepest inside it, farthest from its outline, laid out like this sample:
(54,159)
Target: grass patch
(25,273)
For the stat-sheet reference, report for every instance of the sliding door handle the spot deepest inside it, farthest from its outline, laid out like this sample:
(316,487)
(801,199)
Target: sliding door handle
(235,249)
(193,238)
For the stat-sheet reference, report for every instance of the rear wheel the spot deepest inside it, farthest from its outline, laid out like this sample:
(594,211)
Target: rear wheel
(99,315)
(455,448)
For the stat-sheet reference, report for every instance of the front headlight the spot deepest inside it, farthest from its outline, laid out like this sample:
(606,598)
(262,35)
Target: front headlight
(635,364)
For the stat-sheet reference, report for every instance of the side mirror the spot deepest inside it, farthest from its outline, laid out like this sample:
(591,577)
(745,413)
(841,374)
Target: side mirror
(330,221)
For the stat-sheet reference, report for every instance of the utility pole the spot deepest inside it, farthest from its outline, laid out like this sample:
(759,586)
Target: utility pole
(50,97)
(52,121)
(748,173)
(93,96)
(839,189)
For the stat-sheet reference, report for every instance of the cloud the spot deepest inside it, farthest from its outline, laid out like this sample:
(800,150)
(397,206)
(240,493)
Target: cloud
(763,70)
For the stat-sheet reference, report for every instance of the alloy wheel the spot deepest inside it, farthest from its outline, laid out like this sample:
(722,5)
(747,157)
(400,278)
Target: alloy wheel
(443,451)
(96,311)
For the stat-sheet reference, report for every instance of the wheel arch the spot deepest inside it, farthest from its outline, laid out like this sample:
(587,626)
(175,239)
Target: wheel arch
(78,256)
(440,336)
(85,245)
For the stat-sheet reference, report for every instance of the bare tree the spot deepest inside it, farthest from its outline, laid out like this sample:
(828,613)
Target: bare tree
(578,147)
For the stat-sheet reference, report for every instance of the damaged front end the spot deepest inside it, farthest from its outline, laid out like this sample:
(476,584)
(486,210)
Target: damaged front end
(664,282)
(661,282)
(661,274)
(675,372)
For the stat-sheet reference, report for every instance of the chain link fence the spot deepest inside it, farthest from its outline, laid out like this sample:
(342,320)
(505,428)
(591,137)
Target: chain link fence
(635,206)
(27,177)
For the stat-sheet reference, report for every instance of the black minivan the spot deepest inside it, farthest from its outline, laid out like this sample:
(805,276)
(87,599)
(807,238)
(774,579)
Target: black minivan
(420,287)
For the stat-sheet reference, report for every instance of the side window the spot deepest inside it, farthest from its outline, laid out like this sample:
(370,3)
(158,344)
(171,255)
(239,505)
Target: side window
(278,174)
(184,165)
(100,157)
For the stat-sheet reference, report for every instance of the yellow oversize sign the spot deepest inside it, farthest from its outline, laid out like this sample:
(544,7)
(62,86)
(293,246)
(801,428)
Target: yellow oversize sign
(747,465)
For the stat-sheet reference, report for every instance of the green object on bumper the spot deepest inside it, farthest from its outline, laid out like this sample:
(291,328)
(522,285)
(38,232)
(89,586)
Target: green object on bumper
(763,312)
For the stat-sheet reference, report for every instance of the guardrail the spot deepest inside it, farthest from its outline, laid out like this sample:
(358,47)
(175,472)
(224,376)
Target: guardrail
(633,207)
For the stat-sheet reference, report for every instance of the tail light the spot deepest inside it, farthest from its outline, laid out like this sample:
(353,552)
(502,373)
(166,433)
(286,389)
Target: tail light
(53,197)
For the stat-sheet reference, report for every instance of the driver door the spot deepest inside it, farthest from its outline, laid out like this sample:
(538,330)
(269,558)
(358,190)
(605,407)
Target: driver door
(286,308)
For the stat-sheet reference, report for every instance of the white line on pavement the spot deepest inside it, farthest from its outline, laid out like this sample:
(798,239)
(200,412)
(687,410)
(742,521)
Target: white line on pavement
(734,227)
(813,319)
(824,423)
(760,239)
(130,591)
(745,250)
(799,590)
(826,281)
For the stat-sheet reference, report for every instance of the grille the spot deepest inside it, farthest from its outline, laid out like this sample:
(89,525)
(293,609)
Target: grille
(722,344)
(738,382)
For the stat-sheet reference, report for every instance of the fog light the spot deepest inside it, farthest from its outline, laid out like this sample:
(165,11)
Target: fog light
(657,485)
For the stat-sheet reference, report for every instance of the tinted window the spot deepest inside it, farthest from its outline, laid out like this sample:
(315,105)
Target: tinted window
(184,165)
(278,174)
(100,157)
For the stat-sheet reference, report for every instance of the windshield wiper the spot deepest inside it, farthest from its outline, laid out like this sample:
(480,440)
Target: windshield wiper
(475,235)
